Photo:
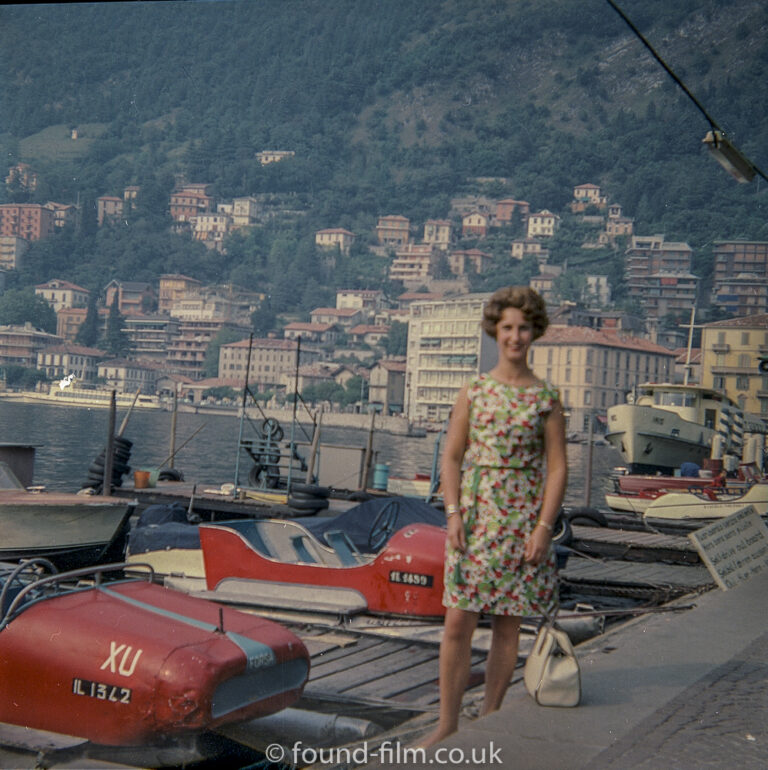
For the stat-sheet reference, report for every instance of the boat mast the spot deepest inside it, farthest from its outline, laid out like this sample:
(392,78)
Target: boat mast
(690,343)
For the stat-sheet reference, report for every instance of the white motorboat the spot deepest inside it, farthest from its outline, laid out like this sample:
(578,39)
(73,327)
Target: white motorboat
(666,424)
(697,506)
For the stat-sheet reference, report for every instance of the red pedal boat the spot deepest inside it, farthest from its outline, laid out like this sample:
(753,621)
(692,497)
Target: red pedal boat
(279,562)
(128,663)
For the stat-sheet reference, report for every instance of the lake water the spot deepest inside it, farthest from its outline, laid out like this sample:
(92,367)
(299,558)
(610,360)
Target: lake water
(68,438)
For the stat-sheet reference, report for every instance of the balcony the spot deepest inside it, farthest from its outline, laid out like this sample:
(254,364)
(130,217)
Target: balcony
(721,347)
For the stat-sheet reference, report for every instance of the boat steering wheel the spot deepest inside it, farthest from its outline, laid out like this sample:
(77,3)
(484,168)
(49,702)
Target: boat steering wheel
(383,525)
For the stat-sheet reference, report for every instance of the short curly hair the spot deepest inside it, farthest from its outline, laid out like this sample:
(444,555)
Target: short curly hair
(523,298)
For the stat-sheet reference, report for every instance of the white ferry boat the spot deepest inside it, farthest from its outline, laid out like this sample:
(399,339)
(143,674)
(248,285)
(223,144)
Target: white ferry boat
(665,425)
(72,396)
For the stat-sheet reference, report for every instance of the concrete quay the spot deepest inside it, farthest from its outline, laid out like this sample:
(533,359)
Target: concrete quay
(684,690)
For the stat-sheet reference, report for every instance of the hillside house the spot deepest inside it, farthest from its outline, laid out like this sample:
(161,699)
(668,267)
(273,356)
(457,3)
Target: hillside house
(321,334)
(509,209)
(393,230)
(367,300)
(63,213)
(469,261)
(335,237)
(265,157)
(189,202)
(438,232)
(585,195)
(60,294)
(525,246)
(109,209)
(22,176)
(127,376)
(20,344)
(368,334)
(474,224)
(344,318)
(542,224)
(133,297)
(413,263)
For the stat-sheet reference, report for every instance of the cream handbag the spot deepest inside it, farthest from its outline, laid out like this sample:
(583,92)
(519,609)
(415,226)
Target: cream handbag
(552,675)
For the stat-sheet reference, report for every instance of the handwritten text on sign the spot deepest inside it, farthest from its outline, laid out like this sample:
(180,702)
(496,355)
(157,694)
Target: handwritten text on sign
(735,548)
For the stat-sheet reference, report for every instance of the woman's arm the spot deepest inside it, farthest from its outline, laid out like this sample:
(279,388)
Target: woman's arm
(450,471)
(554,485)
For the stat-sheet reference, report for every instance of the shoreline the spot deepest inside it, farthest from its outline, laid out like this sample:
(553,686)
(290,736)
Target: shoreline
(388,423)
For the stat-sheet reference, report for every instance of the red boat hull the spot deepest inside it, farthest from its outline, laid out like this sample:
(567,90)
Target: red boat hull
(405,578)
(131,663)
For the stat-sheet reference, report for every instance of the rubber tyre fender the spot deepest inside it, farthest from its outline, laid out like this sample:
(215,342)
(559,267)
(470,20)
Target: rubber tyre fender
(309,504)
(589,517)
(311,490)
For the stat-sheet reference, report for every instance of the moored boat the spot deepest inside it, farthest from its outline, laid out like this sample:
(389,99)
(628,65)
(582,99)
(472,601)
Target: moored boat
(701,507)
(125,662)
(70,529)
(667,424)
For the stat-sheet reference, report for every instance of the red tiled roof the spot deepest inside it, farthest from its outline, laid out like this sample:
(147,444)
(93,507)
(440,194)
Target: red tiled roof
(583,335)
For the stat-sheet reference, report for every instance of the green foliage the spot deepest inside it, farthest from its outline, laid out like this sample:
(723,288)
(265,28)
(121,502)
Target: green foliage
(115,339)
(20,306)
(88,333)
(396,342)
(221,392)
(390,107)
(22,377)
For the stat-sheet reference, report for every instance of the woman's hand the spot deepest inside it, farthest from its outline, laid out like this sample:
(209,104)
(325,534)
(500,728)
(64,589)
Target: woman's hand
(537,545)
(456,535)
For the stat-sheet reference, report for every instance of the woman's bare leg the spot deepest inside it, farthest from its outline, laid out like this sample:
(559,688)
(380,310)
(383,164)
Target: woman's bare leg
(502,659)
(455,658)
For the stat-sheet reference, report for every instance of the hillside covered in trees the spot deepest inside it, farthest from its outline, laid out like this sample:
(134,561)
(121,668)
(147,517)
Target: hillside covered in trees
(390,106)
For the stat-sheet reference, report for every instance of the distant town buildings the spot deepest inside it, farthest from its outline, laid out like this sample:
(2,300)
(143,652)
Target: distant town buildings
(30,221)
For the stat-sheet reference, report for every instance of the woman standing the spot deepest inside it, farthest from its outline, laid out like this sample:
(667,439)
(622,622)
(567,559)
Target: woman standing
(507,426)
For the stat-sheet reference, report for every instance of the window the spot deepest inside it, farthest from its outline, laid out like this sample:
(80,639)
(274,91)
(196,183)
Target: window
(587,398)
(745,338)
(742,383)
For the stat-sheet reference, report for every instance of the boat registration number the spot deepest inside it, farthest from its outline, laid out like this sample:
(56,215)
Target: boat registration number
(101,691)
(410,578)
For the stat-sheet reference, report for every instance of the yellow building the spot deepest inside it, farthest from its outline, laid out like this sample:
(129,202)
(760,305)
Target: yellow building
(543,224)
(596,369)
(730,357)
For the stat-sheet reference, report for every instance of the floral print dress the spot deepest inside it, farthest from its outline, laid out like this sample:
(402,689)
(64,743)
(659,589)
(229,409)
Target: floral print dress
(501,492)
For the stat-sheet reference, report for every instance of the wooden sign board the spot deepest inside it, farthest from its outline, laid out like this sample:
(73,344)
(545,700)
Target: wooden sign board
(734,548)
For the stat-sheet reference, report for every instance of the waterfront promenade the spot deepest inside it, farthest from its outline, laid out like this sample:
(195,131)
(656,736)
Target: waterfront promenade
(684,690)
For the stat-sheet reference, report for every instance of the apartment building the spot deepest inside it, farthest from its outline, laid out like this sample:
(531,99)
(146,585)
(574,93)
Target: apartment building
(189,202)
(22,176)
(742,295)
(59,361)
(666,293)
(150,335)
(127,376)
(30,221)
(60,294)
(446,345)
(651,254)
(596,369)
(730,356)
(321,334)
(186,352)
(393,230)
(524,246)
(585,195)
(734,257)
(20,344)
(172,287)
(271,360)
(413,264)
(211,228)
(63,213)
(12,249)
(70,319)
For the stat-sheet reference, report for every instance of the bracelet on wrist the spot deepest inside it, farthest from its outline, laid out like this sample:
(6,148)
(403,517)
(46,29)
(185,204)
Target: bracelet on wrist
(451,510)
(545,525)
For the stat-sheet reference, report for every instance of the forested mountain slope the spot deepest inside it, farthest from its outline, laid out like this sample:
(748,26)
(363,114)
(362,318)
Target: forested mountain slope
(391,106)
